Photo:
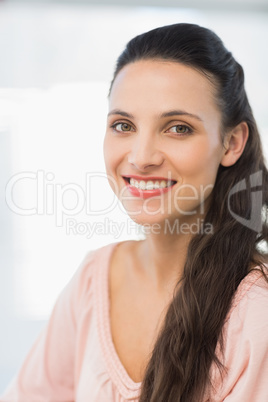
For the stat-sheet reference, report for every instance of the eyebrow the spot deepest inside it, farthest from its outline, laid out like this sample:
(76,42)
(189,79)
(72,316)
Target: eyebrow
(171,113)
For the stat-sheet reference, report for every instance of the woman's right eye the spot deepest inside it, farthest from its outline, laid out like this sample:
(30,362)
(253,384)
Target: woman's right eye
(122,127)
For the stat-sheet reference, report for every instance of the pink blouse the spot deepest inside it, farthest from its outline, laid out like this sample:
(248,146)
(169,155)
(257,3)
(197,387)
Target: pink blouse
(74,358)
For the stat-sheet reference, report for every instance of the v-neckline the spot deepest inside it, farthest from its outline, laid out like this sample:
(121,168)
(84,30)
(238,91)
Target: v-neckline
(128,388)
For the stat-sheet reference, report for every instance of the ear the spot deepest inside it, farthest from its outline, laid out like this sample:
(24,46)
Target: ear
(234,144)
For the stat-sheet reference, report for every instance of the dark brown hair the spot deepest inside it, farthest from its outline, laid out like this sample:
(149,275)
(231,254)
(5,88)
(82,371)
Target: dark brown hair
(179,366)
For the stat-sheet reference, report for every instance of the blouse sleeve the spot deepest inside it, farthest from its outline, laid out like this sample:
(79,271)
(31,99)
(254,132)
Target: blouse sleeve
(48,372)
(247,348)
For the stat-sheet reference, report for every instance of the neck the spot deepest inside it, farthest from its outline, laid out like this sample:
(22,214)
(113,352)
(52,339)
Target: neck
(162,257)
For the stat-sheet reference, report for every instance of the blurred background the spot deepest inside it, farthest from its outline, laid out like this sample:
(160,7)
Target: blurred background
(56,62)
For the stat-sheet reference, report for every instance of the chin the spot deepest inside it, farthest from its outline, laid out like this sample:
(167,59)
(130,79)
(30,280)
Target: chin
(156,222)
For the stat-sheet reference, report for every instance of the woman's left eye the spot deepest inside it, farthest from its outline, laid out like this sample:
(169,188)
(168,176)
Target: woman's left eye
(180,129)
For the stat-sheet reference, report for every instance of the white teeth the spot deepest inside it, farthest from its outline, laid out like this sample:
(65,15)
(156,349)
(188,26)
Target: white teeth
(142,184)
(150,185)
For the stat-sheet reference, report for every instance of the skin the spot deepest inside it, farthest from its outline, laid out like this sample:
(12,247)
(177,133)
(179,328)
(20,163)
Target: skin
(151,146)
(143,274)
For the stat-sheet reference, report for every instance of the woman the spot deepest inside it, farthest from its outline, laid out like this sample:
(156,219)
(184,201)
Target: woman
(181,315)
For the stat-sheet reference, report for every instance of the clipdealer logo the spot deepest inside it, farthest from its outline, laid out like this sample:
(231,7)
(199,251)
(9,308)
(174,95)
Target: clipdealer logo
(51,198)
(257,212)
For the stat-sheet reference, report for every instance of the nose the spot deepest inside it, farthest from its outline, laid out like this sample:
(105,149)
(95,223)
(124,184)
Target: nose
(145,153)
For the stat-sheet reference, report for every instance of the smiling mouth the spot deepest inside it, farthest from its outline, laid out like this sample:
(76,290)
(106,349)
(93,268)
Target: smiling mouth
(149,184)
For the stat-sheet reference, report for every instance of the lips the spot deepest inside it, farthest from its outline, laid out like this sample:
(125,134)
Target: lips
(146,178)
(145,187)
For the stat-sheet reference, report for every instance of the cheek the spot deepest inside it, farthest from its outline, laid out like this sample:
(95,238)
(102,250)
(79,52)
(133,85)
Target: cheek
(109,154)
(110,166)
(197,163)
(115,151)
(113,156)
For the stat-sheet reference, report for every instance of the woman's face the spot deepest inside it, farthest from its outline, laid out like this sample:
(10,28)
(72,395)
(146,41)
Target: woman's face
(163,145)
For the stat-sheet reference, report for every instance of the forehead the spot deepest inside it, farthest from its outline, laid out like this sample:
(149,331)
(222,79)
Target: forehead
(160,84)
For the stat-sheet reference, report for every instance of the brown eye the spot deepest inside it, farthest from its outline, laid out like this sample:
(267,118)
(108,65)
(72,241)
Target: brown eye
(180,129)
(125,127)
